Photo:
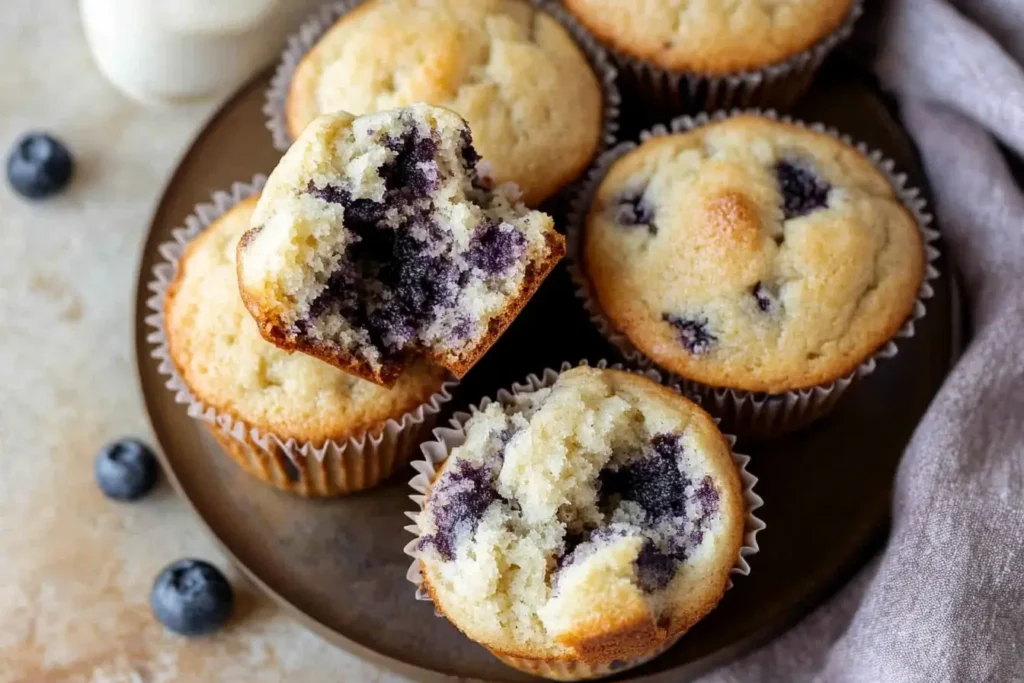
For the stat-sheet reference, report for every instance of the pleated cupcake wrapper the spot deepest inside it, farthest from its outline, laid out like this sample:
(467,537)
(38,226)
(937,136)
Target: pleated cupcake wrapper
(332,468)
(317,25)
(750,414)
(777,85)
(446,439)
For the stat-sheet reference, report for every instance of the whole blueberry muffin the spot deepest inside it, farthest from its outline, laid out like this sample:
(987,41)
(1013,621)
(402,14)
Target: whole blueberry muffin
(584,527)
(752,254)
(374,243)
(225,363)
(710,37)
(511,70)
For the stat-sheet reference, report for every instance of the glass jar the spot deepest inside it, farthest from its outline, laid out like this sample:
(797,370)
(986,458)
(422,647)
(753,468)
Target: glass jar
(166,51)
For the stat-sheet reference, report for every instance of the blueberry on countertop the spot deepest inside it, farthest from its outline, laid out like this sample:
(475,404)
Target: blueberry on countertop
(39,166)
(192,598)
(126,469)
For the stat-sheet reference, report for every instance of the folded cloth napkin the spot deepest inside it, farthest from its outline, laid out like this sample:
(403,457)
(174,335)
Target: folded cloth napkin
(945,601)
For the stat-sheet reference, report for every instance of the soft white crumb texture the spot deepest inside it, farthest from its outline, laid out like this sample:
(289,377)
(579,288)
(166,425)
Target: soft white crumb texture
(499,587)
(301,239)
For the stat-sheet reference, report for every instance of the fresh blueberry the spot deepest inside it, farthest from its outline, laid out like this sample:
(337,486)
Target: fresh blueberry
(192,598)
(39,166)
(126,469)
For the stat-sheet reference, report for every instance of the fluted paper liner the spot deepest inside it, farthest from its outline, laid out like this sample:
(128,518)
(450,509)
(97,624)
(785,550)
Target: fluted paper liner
(334,467)
(750,414)
(776,85)
(446,439)
(317,25)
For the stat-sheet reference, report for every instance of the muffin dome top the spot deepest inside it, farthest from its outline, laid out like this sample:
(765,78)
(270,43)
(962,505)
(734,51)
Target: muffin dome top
(711,36)
(591,520)
(513,72)
(752,254)
(217,348)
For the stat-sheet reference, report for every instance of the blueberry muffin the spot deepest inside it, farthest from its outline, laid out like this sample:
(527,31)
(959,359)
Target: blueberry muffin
(217,349)
(752,254)
(511,70)
(585,526)
(374,243)
(709,37)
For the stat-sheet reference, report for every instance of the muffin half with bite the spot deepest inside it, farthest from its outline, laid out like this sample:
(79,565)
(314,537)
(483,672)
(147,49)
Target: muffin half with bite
(375,243)
(582,528)
(291,420)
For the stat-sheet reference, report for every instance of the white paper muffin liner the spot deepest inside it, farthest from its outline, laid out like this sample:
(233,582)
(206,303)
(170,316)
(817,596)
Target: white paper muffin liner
(751,414)
(446,439)
(777,85)
(305,468)
(317,25)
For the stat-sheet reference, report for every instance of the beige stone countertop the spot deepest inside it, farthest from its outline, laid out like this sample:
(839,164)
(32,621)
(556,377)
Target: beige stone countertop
(75,568)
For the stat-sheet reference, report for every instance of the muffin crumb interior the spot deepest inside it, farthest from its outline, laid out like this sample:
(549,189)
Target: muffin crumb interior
(585,491)
(377,240)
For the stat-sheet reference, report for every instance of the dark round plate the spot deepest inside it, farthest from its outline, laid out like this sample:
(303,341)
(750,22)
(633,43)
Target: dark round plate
(338,565)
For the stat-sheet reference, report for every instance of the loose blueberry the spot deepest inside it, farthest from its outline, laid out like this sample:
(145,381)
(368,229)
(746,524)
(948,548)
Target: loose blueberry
(693,333)
(39,166)
(802,190)
(192,598)
(126,469)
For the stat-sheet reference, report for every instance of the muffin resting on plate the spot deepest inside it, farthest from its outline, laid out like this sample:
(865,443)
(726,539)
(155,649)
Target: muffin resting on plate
(217,350)
(594,521)
(752,254)
(374,243)
(511,70)
(713,38)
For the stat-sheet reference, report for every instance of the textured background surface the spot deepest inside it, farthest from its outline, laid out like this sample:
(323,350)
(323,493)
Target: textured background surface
(76,569)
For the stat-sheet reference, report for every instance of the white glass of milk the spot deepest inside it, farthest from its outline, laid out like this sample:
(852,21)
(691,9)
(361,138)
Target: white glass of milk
(166,51)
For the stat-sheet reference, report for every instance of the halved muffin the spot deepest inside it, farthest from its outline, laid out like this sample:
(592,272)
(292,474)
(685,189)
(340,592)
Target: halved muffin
(375,242)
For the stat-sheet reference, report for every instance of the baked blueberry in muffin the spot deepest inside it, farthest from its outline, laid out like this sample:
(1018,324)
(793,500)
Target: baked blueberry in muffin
(375,241)
(782,259)
(592,521)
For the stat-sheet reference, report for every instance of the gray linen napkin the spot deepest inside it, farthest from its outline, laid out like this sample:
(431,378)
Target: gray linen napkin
(945,601)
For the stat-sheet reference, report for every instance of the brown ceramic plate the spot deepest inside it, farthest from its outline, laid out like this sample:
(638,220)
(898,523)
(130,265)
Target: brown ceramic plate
(338,565)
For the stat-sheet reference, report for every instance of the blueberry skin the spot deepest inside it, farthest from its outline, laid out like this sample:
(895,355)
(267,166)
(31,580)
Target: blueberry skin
(126,470)
(39,166)
(192,598)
